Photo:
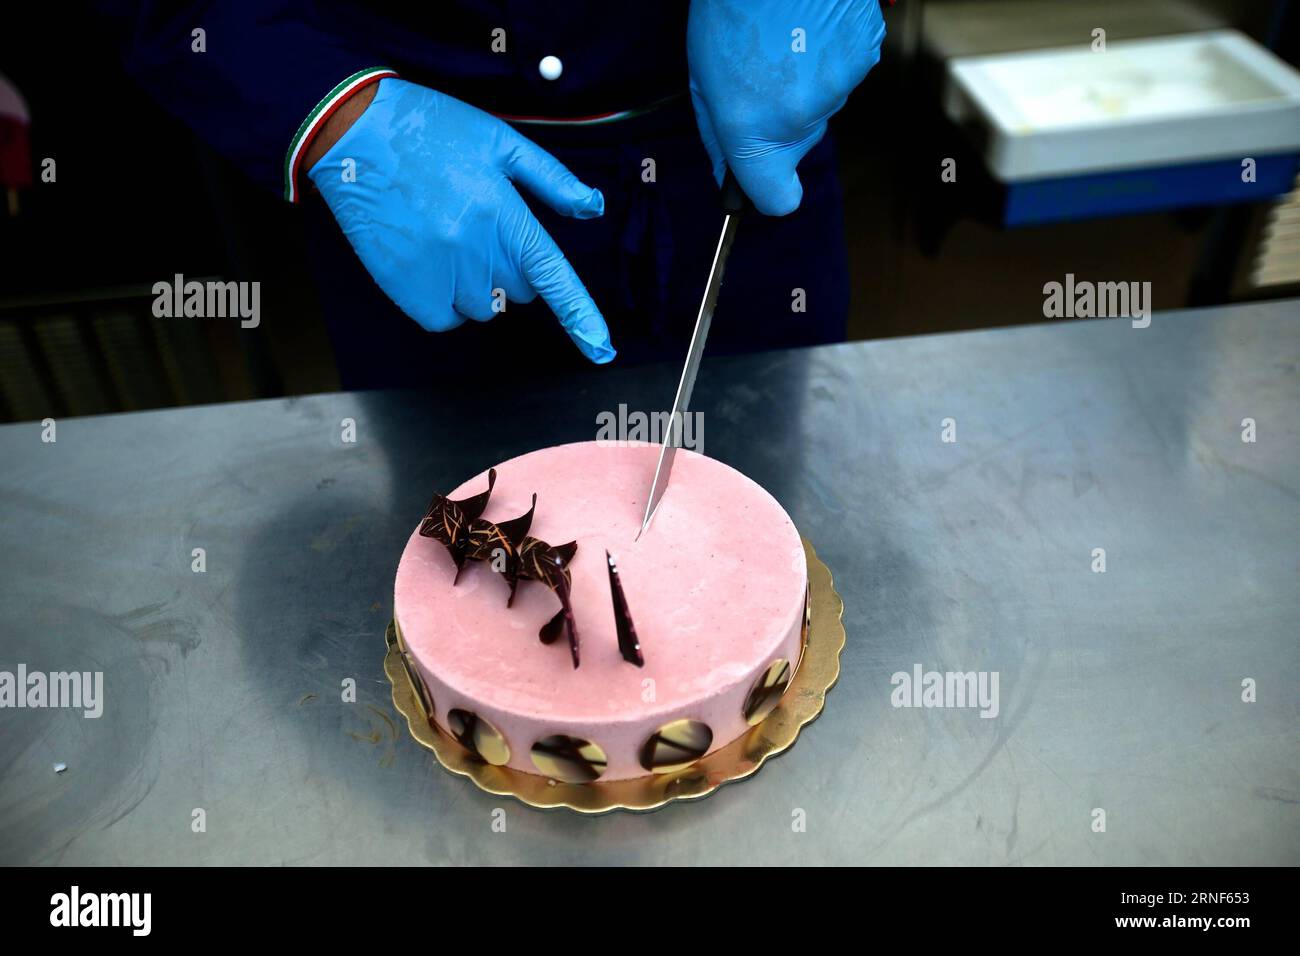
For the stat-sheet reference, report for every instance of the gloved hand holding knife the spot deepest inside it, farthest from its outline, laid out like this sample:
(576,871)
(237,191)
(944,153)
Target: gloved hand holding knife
(766,75)
(765,78)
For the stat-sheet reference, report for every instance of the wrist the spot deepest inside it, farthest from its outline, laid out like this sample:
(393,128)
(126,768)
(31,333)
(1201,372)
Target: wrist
(339,122)
(339,99)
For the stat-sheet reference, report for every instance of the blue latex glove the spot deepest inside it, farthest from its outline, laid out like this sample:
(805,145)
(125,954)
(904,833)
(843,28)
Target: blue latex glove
(434,215)
(760,105)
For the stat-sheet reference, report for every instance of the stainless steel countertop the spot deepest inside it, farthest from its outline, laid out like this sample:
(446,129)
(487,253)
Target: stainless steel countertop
(1119,691)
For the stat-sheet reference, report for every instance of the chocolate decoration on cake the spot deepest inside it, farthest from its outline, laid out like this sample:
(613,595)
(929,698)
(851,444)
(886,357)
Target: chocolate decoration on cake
(676,745)
(507,547)
(807,614)
(422,695)
(511,551)
(478,736)
(501,543)
(538,561)
(550,632)
(767,690)
(421,690)
(448,522)
(569,759)
(562,621)
(628,645)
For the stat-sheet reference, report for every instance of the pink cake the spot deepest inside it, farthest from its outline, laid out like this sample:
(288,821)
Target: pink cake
(716,589)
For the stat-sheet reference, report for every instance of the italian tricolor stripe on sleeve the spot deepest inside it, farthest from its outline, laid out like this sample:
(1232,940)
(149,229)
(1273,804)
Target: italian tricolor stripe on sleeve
(316,119)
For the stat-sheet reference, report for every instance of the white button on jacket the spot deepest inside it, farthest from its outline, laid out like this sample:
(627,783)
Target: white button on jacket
(550,67)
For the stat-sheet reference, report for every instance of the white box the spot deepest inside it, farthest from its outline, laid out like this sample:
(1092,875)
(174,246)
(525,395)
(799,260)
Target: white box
(1141,103)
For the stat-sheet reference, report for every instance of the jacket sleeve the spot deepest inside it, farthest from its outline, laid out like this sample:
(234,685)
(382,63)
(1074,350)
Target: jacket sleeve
(253,78)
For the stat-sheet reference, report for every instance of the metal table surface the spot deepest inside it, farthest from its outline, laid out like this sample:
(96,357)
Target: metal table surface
(1119,690)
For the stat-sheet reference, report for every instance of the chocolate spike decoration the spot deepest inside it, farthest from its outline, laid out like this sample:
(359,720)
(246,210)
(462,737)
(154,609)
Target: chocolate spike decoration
(628,645)
(501,542)
(538,561)
(448,522)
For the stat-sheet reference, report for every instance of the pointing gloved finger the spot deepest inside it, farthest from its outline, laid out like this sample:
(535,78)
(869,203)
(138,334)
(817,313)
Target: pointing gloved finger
(545,267)
(550,180)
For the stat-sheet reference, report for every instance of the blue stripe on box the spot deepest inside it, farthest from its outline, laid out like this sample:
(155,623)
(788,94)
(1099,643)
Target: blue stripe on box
(1147,189)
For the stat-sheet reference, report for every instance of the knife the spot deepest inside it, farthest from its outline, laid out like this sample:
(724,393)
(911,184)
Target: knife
(734,205)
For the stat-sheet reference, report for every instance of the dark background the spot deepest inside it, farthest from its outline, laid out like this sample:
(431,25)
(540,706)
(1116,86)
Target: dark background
(138,199)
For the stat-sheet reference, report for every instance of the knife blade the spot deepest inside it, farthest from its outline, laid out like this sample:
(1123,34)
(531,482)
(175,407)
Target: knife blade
(734,204)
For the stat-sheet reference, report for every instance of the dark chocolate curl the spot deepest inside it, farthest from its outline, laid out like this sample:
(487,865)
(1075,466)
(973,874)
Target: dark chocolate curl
(628,645)
(552,629)
(516,529)
(492,542)
(474,506)
(448,522)
(562,592)
(538,561)
(565,552)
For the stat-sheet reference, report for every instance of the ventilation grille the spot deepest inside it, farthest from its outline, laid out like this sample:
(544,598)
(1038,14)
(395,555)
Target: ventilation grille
(108,354)
(1277,259)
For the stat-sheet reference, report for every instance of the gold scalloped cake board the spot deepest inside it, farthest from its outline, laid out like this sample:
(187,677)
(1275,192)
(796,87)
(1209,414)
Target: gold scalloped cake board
(818,669)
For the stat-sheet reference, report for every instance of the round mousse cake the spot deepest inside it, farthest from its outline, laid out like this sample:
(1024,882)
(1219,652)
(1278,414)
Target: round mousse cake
(713,596)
